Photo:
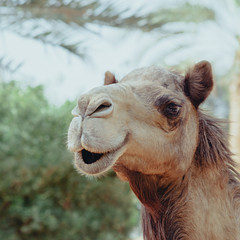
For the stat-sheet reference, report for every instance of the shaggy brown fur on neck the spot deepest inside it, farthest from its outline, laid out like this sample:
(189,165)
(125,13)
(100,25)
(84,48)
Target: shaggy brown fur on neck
(163,204)
(212,143)
(213,150)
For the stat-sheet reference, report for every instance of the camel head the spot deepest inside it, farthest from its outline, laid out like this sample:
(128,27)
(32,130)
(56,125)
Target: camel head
(147,122)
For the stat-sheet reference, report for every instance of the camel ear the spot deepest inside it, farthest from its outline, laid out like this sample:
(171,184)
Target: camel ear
(198,82)
(109,78)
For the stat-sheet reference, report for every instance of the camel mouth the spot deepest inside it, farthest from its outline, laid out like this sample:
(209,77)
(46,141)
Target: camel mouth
(90,157)
(97,163)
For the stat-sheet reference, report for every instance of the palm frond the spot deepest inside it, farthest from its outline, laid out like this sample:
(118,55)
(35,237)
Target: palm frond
(62,35)
(185,13)
(58,22)
(9,65)
(76,15)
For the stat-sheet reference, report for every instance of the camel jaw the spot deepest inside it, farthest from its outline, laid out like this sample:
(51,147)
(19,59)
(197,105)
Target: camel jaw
(95,164)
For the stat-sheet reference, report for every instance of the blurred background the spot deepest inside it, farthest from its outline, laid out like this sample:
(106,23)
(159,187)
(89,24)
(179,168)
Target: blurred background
(51,51)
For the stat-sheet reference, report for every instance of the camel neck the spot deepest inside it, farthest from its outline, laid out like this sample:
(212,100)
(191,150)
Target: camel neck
(194,207)
(163,205)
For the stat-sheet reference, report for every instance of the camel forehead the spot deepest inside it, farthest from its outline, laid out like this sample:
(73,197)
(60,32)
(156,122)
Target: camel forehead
(150,83)
(151,75)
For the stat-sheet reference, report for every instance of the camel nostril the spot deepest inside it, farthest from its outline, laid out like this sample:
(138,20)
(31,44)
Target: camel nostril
(102,109)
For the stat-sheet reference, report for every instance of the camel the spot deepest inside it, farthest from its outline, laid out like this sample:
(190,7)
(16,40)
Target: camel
(149,129)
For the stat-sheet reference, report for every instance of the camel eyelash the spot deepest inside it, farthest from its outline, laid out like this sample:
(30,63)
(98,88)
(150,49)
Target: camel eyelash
(172,110)
(167,104)
(163,100)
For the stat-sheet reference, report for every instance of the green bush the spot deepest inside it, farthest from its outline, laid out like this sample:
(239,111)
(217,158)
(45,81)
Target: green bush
(41,195)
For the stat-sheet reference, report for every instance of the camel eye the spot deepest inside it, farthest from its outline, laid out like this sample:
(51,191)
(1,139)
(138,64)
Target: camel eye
(172,110)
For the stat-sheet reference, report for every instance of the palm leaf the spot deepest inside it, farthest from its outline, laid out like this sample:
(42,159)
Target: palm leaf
(81,13)
(184,13)
(9,65)
(57,23)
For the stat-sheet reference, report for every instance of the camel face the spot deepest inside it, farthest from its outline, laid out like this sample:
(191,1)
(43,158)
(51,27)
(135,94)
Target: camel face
(147,122)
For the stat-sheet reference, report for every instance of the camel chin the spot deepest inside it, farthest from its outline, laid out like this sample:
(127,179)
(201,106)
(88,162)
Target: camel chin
(96,164)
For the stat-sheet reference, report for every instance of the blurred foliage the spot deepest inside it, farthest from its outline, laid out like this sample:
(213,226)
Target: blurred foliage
(183,13)
(41,195)
(69,24)
(62,23)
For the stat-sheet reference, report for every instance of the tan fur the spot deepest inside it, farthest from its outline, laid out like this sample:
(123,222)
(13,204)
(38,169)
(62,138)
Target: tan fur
(148,128)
